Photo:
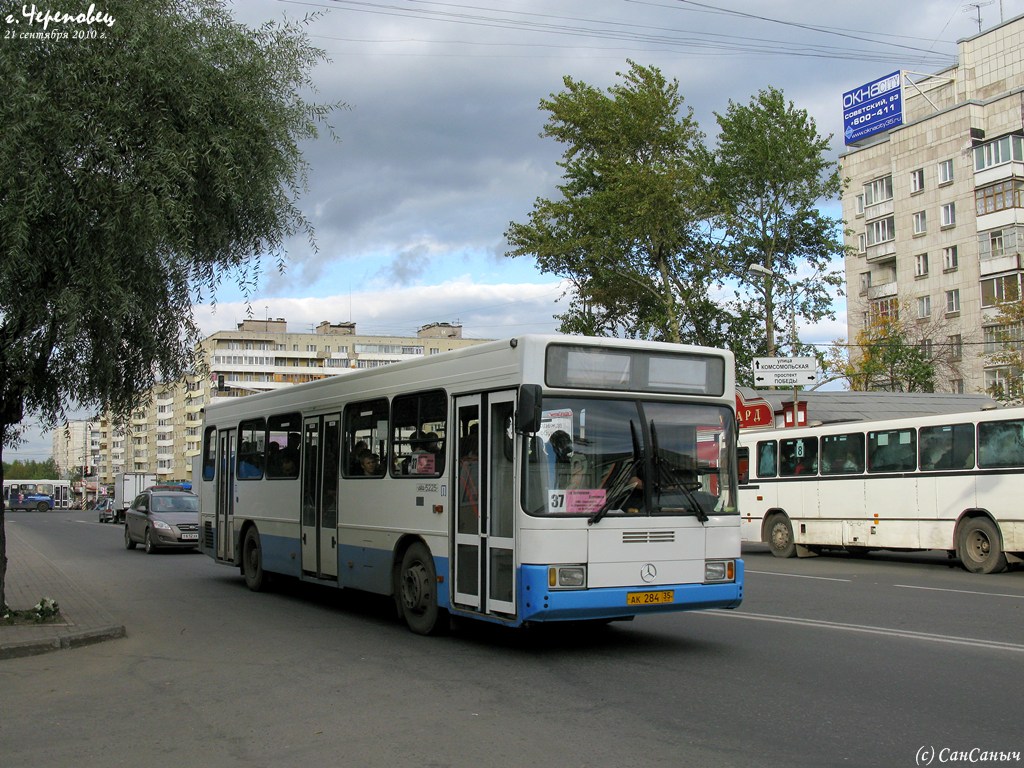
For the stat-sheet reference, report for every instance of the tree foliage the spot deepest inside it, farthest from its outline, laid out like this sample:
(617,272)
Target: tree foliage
(651,227)
(31,470)
(895,354)
(772,173)
(631,228)
(138,167)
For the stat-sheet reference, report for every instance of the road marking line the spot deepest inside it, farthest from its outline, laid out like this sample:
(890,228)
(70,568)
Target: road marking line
(900,633)
(796,576)
(960,591)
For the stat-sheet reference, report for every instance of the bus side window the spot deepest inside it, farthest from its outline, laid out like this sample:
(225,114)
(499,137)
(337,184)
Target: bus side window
(799,456)
(209,453)
(417,434)
(766,459)
(743,465)
(1001,444)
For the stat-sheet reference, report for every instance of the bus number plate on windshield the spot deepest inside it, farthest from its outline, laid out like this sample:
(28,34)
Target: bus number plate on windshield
(650,598)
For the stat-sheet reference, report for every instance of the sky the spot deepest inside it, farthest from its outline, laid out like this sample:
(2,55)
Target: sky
(438,148)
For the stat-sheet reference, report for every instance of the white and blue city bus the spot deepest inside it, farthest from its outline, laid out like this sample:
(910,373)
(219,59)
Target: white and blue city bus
(38,495)
(539,479)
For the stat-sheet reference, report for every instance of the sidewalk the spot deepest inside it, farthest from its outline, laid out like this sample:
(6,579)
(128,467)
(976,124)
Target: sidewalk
(32,576)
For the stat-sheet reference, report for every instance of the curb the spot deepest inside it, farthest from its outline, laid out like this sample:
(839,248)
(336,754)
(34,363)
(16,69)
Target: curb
(17,650)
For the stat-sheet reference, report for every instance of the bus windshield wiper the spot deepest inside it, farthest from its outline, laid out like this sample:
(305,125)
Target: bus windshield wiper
(665,468)
(621,482)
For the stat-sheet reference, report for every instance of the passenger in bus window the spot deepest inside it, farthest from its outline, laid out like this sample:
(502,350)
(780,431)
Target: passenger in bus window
(370,464)
(766,459)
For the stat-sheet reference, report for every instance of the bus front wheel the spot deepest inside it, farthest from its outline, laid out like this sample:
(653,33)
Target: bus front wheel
(417,589)
(780,536)
(979,548)
(252,561)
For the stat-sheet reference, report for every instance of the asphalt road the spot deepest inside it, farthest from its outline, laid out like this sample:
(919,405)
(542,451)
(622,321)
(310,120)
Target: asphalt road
(830,661)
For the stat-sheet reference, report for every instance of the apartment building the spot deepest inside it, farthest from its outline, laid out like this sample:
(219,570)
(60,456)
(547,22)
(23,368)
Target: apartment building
(259,355)
(935,208)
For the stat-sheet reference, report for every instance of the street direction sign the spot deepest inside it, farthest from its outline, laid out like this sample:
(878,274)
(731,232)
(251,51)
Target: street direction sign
(785,371)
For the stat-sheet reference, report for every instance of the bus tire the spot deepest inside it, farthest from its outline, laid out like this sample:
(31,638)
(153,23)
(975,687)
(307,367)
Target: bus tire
(252,561)
(979,547)
(417,590)
(42,506)
(779,534)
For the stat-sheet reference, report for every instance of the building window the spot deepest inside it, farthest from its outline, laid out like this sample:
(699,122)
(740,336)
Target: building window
(921,265)
(885,308)
(952,301)
(916,181)
(956,386)
(999,151)
(948,215)
(946,172)
(950,261)
(927,348)
(999,197)
(920,223)
(924,306)
(999,289)
(1002,382)
(862,243)
(881,231)
(865,282)
(860,204)
(956,346)
(878,191)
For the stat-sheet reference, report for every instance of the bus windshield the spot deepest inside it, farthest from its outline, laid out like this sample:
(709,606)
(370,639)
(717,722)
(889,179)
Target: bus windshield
(596,457)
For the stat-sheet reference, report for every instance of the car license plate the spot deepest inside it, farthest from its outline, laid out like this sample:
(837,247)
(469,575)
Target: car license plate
(650,598)
(190,537)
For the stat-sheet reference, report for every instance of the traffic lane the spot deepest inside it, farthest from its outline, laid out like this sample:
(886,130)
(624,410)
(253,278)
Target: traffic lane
(910,592)
(229,676)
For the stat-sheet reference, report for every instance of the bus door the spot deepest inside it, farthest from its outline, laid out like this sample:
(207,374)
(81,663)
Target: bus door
(321,439)
(484,558)
(226,495)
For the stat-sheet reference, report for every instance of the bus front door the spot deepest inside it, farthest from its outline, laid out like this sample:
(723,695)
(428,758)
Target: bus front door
(484,558)
(226,495)
(321,440)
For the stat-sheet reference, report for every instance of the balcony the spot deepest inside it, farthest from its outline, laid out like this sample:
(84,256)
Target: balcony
(882,291)
(881,251)
(1009,262)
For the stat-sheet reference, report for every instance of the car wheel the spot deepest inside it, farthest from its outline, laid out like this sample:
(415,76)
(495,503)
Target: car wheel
(128,542)
(150,549)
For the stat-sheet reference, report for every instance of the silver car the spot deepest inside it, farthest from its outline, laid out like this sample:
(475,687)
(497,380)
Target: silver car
(162,519)
(105,510)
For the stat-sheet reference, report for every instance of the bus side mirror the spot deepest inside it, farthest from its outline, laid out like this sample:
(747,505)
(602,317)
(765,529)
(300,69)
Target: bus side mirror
(528,412)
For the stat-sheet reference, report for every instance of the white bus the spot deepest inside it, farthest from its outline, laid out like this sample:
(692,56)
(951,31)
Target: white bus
(39,495)
(530,480)
(952,482)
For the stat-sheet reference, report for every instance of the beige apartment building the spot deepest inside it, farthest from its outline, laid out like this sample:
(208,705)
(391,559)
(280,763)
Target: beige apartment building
(935,208)
(257,356)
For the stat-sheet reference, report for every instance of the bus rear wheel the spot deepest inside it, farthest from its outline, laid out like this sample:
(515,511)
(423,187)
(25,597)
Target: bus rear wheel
(780,536)
(979,548)
(42,506)
(252,561)
(417,590)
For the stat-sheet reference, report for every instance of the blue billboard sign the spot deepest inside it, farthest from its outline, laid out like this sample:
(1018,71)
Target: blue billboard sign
(873,107)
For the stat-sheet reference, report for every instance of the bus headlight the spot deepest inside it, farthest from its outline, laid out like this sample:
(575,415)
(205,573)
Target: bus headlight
(567,576)
(720,570)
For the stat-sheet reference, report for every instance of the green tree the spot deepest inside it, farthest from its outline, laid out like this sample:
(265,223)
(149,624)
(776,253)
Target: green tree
(138,167)
(772,173)
(633,228)
(893,354)
(31,470)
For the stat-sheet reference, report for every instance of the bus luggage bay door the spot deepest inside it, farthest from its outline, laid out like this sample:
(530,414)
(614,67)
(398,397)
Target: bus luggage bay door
(483,551)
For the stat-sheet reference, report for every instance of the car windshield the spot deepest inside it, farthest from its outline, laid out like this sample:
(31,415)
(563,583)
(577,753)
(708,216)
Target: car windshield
(180,503)
(615,457)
